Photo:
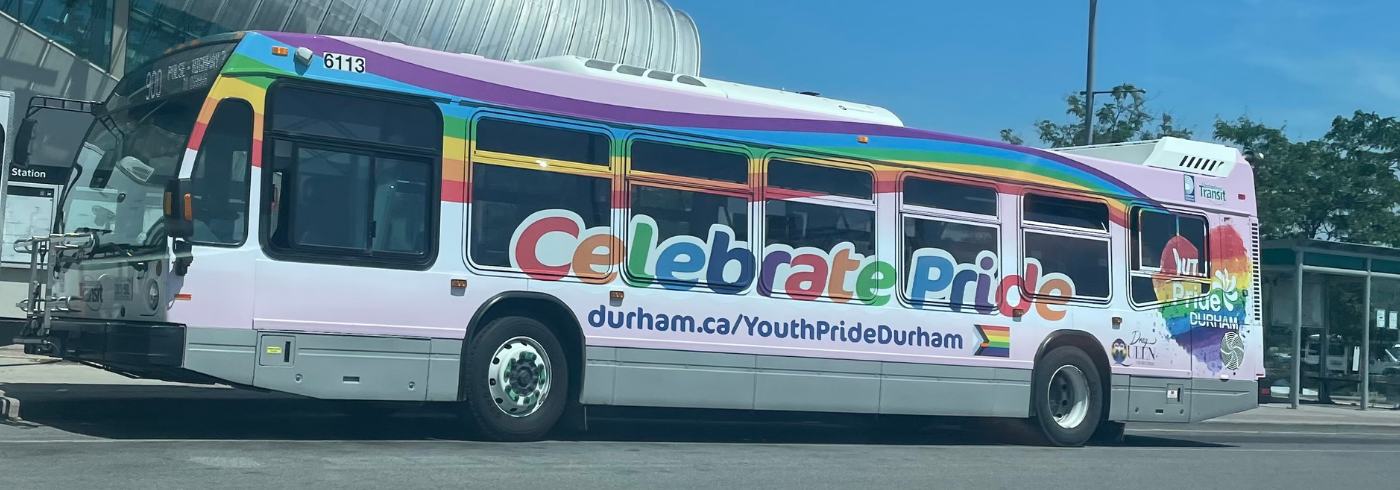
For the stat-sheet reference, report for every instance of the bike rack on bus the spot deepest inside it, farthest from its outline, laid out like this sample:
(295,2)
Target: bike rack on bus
(49,256)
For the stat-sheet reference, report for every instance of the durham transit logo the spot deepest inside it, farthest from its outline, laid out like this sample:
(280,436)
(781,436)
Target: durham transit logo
(996,341)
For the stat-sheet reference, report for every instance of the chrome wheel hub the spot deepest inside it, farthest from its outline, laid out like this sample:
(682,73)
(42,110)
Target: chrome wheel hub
(1068,397)
(519,377)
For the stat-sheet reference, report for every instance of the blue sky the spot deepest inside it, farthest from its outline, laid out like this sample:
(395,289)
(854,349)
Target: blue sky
(973,67)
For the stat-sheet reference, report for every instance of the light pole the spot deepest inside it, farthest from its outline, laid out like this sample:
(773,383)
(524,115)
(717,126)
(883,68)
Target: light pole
(1089,78)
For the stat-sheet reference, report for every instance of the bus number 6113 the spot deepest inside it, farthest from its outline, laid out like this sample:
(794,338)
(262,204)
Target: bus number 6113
(344,62)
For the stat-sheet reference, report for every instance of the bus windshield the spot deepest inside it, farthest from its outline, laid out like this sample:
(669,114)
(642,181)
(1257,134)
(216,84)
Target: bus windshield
(135,147)
(123,167)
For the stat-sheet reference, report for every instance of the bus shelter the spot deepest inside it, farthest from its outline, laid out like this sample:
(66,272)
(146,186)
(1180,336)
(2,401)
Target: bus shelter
(1332,323)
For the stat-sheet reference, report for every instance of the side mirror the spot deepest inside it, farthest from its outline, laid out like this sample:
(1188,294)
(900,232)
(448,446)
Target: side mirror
(23,138)
(179,209)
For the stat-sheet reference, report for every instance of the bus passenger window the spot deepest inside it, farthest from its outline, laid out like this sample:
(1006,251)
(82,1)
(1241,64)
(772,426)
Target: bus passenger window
(309,111)
(1083,261)
(821,207)
(537,141)
(821,181)
(220,177)
(968,246)
(684,161)
(1066,241)
(1066,212)
(348,203)
(354,176)
(504,197)
(1167,248)
(950,196)
(694,193)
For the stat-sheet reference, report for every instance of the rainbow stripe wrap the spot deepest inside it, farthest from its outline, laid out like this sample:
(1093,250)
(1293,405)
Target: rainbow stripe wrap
(473,82)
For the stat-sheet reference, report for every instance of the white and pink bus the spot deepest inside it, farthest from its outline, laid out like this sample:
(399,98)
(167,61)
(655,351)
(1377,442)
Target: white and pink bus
(351,219)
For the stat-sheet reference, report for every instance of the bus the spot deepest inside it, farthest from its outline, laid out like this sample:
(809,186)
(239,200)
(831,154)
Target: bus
(351,219)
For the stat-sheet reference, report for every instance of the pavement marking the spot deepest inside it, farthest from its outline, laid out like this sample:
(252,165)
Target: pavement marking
(226,462)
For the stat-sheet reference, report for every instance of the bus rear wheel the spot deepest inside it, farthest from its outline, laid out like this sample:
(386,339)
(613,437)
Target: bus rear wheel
(516,379)
(1067,397)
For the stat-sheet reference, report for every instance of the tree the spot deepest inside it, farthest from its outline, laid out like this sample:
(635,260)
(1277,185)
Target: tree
(1341,187)
(1124,118)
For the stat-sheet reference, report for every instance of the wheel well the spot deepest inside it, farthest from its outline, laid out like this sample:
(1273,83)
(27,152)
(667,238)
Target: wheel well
(549,311)
(1091,346)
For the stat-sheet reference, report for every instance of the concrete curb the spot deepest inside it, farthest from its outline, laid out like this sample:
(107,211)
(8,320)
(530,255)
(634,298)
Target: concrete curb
(1272,428)
(9,407)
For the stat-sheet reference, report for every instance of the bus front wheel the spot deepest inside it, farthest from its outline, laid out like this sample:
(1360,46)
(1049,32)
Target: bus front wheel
(1067,397)
(516,379)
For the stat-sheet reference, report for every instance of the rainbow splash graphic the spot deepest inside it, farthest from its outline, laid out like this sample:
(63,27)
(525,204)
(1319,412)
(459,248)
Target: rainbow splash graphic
(1205,318)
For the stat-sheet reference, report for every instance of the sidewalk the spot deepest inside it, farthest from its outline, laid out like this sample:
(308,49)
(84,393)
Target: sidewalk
(1277,417)
(39,380)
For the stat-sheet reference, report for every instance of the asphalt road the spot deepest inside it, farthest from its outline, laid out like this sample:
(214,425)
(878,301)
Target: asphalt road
(170,442)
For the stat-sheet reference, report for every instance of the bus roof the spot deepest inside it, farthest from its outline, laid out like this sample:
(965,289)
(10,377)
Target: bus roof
(543,87)
(804,101)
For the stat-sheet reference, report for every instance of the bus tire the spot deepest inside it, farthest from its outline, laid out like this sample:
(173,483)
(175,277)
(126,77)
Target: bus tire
(1067,397)
(516,379)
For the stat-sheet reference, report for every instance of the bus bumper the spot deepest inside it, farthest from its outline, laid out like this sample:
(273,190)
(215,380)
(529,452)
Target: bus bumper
(118,344)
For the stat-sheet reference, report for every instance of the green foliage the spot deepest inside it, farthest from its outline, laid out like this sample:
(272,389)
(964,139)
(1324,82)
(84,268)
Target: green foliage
(1125,117)
(1340,187)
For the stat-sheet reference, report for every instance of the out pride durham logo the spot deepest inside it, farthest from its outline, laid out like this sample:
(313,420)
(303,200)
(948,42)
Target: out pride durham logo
(552,244)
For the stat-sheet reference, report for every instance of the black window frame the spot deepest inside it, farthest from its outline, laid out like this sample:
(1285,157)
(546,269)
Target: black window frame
(869,196)
(1026,203)
(695,180)
(906,204)
(548,125)
(469,237)
(903,272)
(329,255)
(476,156)
(248,169)
(762,239)
(1137,271)
(908,211)
(746,190)
(1028,226)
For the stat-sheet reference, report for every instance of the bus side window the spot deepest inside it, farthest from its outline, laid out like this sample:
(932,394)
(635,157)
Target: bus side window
(828,208)
(568,175)
(1168,255)
(1069,240)
(698,194)
(220,177)
(947,224)
(353,178)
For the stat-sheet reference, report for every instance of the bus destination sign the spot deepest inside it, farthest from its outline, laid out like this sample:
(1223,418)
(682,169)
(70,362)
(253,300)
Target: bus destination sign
(185,71)
(179,73)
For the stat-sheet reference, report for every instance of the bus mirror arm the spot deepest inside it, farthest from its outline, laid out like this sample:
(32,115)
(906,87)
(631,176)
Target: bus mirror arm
(184,256)
(179,222)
